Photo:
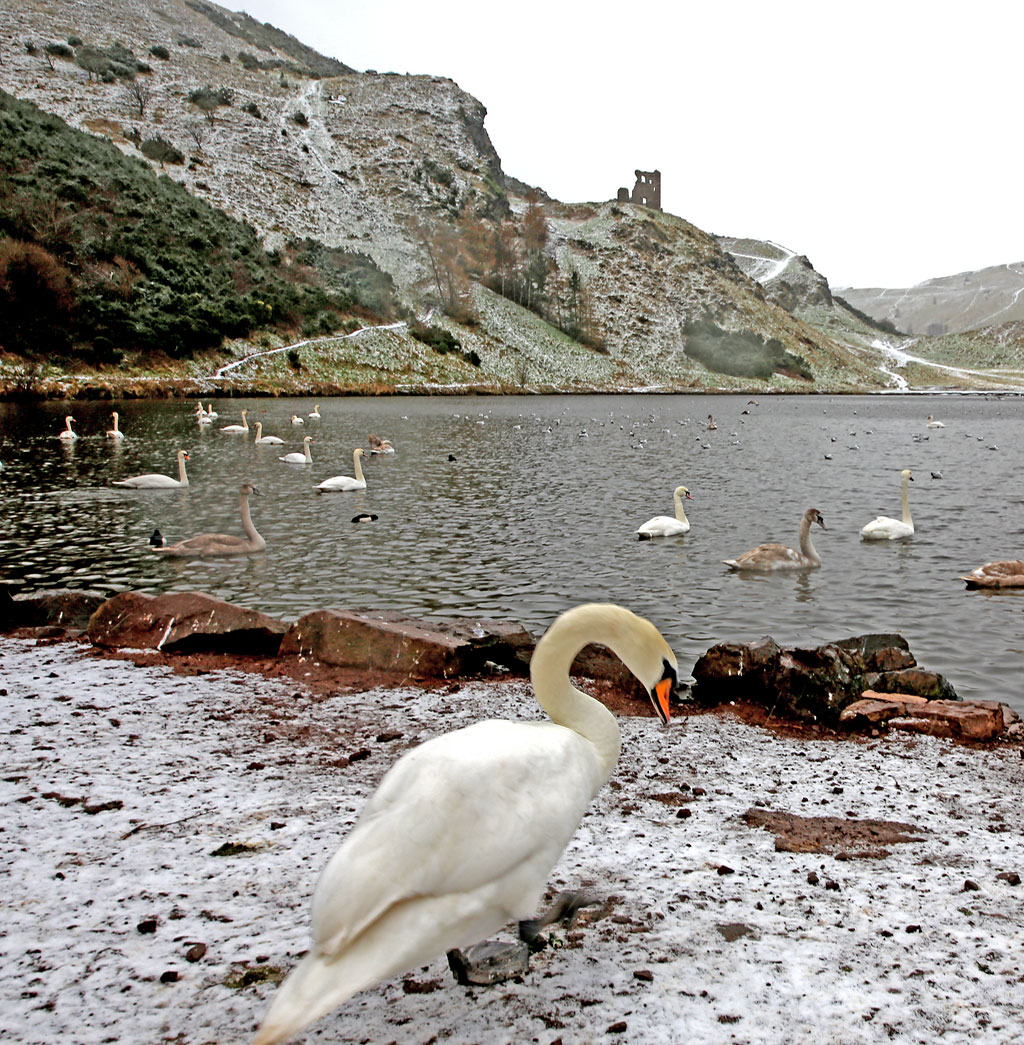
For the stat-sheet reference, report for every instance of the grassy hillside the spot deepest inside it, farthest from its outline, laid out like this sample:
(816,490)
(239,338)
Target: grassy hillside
(99,255)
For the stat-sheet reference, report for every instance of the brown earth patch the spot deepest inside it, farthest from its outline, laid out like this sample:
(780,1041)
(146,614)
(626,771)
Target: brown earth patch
(831,834)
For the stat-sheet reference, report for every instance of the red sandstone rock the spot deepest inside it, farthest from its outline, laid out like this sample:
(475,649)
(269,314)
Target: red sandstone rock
(183,622)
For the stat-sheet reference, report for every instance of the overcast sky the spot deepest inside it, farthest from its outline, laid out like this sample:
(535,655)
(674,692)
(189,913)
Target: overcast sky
(880,138)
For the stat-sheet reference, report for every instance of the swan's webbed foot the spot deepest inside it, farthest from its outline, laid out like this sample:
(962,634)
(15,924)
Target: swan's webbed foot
(564,909)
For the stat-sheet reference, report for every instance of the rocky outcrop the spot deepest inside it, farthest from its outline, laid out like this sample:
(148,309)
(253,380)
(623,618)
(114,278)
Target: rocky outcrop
(60,609)
(963,720)
(812,684)
(395,642)
(184,622)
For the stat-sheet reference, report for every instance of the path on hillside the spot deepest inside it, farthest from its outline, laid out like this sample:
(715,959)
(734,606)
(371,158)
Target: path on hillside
(899,356)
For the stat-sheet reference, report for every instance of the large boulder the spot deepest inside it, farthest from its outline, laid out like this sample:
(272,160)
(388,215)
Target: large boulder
(813,684)
(184,622)
(394,642)
(59,608)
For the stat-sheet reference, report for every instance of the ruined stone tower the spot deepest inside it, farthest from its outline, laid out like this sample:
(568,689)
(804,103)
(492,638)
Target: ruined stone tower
(646,190)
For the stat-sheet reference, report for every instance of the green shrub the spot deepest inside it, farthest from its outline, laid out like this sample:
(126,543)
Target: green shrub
(300,118)
(161,151)
(253,110)
(59,51)
(159,51)
(740,353)
(74,41)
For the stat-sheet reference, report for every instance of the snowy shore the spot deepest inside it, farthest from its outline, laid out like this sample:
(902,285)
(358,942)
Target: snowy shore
(163,832)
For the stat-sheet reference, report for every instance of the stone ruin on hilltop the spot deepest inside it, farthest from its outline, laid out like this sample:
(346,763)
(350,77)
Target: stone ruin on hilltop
(646,190)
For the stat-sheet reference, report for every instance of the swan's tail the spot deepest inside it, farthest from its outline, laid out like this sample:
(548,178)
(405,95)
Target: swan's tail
(312,989)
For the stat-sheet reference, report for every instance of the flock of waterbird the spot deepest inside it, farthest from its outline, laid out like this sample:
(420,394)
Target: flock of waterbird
(767,558)
(221,544)
(430,864)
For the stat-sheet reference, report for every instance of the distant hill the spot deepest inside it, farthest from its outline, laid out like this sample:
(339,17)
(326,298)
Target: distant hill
(989,297)
(515,290)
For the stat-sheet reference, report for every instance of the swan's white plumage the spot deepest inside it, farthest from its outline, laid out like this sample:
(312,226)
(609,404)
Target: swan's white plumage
(667,525)
(344,483)
(315,412)
(156,481)
(237,429)
(266,440)
(767,558)
(296,458)
(67,434)
(115,432)
(932,423)
(463,831)
(884,528)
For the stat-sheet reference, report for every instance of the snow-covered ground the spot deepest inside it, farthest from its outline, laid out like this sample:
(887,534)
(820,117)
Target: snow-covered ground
(122,782)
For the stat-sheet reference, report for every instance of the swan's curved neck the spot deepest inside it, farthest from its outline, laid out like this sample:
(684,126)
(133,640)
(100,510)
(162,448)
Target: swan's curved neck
(305,447)
(182,477)
(806,547)
(565,704)
(254,538)
(906,502)
(356,466)
(680,512)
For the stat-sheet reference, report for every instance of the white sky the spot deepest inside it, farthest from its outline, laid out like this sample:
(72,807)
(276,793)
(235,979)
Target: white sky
(881,139)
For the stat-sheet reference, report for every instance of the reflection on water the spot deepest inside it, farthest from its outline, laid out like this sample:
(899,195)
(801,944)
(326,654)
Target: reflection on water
(538,509)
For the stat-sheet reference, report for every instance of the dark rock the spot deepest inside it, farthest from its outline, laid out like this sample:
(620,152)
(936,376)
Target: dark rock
(492,961)
(195,952)
(147,925)
(394,642)
(58,608)
(184,622)
(644,975)
(1010,877)
(618,1028)
(813,684)
(732,931)
(970,886)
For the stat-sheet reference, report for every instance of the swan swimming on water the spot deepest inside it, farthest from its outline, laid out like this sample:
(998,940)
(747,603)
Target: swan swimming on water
(433,863)
(68,435)
(767,558)
(296,458)
(1006,573)
(344,483)
(237,429)
(932,423)
(667,525)
(266,440)
(315,412)
(883,528)
(208,545)
(115,432)
(156,481)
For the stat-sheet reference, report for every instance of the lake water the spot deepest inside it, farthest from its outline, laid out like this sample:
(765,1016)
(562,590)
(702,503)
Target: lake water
(538,509)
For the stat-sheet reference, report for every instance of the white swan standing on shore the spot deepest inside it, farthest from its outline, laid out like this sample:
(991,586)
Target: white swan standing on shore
(266,440)
(432,863)
(238,429)
(345,483)
(296,458)
(883,528)
(68,435)
(666,525)
(207,545)
(932,423)
(766,558)
(156,481)
(115,432)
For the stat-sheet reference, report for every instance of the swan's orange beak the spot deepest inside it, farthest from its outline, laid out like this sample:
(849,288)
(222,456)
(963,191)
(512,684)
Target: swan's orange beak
(662,692)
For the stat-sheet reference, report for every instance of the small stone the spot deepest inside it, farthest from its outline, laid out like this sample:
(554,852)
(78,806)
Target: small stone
(698,791)
(643,974)
(492,961)
(833,886)
(913,928)
(812,878)
(724,869)
(1010,877)
(618,1028)
(170,976)
(276,825)
(195,952)
(970,886)
(147,925)
(682,814)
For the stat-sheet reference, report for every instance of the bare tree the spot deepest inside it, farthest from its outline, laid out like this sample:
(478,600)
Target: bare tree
(197,132)
(138,95)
